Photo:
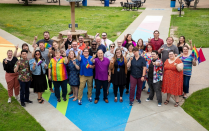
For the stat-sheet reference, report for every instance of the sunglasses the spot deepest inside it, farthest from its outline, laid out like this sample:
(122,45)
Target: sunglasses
(38,54)
(103,35)
(112,46)
(93,44)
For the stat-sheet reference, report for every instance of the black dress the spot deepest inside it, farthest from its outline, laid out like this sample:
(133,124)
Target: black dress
(39,83)
(119,77)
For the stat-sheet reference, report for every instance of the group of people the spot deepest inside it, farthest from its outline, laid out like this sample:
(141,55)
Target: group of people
(127,65)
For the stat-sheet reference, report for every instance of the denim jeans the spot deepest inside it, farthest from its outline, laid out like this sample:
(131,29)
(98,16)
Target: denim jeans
(186,84)
(24,91)
(100,83)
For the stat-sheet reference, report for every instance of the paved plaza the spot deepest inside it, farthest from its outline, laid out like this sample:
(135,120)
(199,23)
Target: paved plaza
(146,116)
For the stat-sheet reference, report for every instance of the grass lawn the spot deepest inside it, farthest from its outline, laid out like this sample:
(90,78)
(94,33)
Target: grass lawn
(193,25)
(197,105)
(27,21)
(14,117)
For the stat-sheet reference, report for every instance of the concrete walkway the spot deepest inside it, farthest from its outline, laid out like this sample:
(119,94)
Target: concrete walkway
(146,116)
(148,4)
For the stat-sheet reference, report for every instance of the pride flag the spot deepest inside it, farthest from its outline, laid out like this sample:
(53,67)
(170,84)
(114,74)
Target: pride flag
(201,56)
(195,53)
(39,62)
(47,45)
(87,65)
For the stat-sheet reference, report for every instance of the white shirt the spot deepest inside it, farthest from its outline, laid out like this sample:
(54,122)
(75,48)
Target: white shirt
(123,51)
(108,42)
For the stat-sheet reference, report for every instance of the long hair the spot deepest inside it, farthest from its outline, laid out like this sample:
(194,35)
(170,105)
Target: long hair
(178,44)
(40,56)
(69,55)
(121,56)
(127,39)
(142,47)
(153,48)
(25,44)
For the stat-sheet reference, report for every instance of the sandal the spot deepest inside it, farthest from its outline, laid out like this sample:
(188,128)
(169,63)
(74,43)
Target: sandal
(39,99)
(176,104)
(75,99)
(41,102)
(71,97)
(166,102)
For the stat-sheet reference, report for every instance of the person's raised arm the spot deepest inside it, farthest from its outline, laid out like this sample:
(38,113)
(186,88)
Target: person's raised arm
(76,65)
(79,57)
(63,43)
(34,41)
(15,52)
(34,49)
(191,46)
(17,66)
(66,60)
(194,62)
(129,62)
(93,57)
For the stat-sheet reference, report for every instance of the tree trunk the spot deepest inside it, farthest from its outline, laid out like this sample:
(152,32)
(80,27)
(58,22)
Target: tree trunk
(195,4)
(26,2)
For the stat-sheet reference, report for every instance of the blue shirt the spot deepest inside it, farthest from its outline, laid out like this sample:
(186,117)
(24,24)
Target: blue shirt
(75,51)
(83,63)
(102,47)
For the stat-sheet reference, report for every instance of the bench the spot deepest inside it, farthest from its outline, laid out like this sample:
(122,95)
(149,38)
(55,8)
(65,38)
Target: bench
(182,7)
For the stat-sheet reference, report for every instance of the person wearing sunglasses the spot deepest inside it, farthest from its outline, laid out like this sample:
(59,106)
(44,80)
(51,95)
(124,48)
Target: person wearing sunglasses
(110,54)
(38,67)
(106,42)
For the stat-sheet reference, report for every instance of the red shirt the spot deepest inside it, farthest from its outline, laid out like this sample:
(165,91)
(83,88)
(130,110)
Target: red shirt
(157,43)
(82,47)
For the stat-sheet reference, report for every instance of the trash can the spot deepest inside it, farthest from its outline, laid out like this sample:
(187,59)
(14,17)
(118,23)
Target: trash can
(84,2)
(106,3)
(173,3)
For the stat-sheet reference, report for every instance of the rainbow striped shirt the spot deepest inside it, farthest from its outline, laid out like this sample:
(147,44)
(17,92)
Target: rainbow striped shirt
(187,65)
(58,69)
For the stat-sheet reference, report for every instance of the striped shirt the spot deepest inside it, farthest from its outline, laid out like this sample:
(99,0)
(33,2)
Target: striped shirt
(58,69)
(187,61)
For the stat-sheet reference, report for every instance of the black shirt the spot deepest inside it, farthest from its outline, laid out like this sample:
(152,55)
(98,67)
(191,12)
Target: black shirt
(91,52)
(9,67)
(67,43)
(151,69)
(50,42)
(137,67)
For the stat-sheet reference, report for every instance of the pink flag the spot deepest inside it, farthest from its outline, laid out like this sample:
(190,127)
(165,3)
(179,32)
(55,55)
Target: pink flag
(201,56)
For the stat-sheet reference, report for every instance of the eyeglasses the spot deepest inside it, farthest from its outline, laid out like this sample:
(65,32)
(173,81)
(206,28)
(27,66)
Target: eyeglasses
(38,54)
(93,44)
(112,46)
(119,42)
(86,51)
(118,52)
(103,35)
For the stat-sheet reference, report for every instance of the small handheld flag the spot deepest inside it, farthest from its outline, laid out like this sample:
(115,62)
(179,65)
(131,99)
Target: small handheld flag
(39,62)
(87,65)
(195,53)
(47,46)
(201,56)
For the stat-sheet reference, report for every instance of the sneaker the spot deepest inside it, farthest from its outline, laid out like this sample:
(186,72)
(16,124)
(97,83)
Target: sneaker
(131,103)
(90,99)
(30,102)
(159,104)
(9,100)
(64,98)
(139,101)
(79,102)
(58,99)
(147,99)
(17,98)
(23,104)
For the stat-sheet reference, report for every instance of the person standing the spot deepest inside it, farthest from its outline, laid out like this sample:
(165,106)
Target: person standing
(137,64)
(24,77)
(156,41)
(101,77)
(129,55)
(128,40)
(74,48)
(124,49)
(155,72)
(182,42)
(58,74)
(24,47)
(164,49)
(93,50)
(100,46)
(173,78)
(118,67)
(47,41)
(67,41)
(188,61)
(86,74)
(141,46)
(73,68)
(10,76)
(81,44)
(106,42)
(38,68)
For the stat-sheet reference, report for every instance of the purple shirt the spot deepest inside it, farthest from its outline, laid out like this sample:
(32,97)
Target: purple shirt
(124,43)
(101,68)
